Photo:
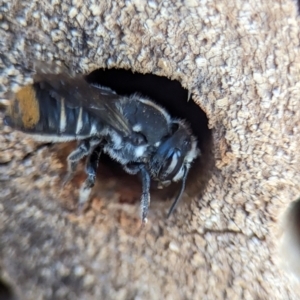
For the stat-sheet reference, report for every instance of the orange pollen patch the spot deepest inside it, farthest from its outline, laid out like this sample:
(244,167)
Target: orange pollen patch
(29,106)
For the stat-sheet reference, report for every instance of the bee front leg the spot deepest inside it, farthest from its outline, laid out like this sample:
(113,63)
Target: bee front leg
(91,170)
(145,199)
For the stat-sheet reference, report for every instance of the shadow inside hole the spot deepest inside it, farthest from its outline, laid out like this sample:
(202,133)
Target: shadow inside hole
(6,291)
(113,183)
(290,242)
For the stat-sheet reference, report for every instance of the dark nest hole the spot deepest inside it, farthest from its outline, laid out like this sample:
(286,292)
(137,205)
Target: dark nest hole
(172,96)
(291,237)
(6,291)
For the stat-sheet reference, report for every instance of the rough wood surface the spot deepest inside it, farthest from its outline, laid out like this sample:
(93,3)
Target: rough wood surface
(241,62)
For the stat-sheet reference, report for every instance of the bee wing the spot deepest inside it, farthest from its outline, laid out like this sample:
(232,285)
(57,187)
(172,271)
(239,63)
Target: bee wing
(100,101)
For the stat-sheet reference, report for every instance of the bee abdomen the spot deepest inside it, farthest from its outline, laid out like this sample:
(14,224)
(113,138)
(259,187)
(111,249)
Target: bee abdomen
(24,111)
(36,111)
(59,119)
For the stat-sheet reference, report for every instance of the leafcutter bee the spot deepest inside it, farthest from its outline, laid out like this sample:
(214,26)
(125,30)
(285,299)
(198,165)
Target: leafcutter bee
(135,131)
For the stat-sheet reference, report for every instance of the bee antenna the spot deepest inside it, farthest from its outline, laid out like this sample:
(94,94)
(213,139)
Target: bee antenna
(180,192)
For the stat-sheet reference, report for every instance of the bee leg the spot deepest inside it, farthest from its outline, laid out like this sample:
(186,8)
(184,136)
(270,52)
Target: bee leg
(85,147)
(91,170)
(145,200)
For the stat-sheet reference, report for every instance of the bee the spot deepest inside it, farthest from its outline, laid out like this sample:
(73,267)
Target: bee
(133,130)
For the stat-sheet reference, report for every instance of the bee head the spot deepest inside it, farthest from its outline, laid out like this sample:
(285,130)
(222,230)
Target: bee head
(23,110)
(173,158)
(175,154)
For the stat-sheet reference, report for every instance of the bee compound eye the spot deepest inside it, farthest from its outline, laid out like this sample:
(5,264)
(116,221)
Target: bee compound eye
(176,154)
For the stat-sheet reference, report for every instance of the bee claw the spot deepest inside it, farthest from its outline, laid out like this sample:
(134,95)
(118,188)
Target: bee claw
(84,195)
(67,179)
(80,209)
(144,222)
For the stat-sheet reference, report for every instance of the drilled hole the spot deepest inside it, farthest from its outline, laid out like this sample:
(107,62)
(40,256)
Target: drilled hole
(172,96)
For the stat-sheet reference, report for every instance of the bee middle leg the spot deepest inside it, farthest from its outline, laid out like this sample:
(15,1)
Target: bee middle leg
(84,148)
(91,170)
